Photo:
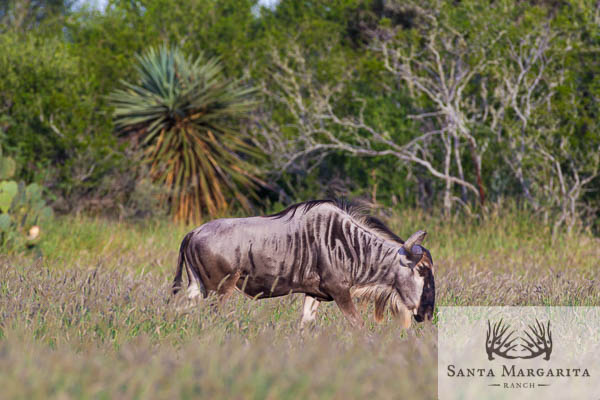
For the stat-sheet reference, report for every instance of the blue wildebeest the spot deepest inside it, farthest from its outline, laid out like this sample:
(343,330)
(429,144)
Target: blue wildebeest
(326,249)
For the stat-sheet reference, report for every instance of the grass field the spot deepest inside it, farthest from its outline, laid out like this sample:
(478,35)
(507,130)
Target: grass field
(88,315)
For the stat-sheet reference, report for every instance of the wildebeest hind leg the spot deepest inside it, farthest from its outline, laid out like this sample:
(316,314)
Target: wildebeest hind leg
(344,301)
(196,287)
(227,286)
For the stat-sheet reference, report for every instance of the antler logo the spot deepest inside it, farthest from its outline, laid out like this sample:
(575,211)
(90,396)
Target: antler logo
(501,342)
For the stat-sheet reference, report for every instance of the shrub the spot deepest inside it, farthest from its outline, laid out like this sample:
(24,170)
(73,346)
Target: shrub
(52,120)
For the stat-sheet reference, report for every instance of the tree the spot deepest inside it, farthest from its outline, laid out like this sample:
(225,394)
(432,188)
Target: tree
(320,123)
(22,15)
(441,67)
(487,85)
(535,116)
(181,112)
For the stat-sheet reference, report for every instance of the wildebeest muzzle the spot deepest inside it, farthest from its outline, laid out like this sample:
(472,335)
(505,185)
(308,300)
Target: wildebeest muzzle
(427,303)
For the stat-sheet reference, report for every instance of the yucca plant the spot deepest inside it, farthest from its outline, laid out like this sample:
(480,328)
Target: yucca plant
(181,111)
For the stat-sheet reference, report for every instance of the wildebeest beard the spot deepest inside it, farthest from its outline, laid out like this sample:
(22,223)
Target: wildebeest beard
(382,296)
(325,249)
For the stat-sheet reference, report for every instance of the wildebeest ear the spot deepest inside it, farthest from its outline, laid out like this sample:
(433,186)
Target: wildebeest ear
(416,238)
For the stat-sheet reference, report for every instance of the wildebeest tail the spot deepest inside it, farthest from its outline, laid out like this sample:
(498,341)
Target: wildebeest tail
(180,264)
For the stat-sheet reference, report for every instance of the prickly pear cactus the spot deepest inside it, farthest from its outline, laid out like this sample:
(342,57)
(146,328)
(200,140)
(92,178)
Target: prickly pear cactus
(8,192)
(22,209)
(8,189)
(7,167)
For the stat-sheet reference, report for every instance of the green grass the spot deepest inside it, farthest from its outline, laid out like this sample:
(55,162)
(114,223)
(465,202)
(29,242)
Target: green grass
(92,317)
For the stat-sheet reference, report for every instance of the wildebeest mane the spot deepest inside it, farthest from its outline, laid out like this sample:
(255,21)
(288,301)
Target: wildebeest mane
(305,205)
(354,210)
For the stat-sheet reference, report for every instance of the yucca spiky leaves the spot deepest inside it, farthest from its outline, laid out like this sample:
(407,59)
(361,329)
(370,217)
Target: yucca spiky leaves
(182,110)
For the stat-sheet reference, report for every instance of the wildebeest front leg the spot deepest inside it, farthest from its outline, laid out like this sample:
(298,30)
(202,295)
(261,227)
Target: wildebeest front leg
(309,310)
(405,318)
(344,301)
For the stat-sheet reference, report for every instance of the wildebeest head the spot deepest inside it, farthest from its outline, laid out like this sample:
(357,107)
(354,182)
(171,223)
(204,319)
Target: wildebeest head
(416,285)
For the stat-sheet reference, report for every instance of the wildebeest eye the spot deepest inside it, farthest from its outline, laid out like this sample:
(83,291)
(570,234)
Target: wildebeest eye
(402,252)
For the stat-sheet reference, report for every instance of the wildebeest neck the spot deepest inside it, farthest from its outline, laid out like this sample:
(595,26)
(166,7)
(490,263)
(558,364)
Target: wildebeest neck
(369,257)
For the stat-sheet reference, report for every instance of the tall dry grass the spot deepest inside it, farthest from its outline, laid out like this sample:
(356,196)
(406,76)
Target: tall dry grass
(92,317)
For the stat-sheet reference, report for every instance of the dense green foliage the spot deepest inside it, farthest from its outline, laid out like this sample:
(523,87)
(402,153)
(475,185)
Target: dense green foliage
(51,115)
(519,121)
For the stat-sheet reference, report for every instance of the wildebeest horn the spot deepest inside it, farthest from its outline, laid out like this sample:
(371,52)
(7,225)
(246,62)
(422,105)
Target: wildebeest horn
(416,238)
